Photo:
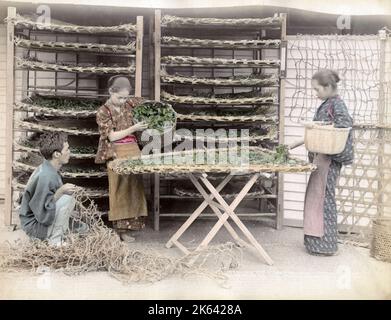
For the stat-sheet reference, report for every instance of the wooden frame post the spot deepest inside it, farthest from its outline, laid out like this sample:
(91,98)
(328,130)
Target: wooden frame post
(10,98)
(151,57)
(139,56)
(381,122)
(156,201)
(281,124)
(157,41)
(157,55)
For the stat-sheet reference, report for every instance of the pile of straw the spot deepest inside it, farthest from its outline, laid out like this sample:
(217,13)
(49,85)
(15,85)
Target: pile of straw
(100,249)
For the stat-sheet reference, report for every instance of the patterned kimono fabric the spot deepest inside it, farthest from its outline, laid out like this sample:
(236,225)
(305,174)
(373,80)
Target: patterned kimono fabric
(128,205)
(333,109)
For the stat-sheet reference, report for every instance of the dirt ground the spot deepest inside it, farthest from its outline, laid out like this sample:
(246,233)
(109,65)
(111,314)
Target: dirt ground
(352,274)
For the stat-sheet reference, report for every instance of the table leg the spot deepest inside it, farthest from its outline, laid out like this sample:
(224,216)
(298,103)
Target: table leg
(196,213)
(232,207)
(217,211)
(231,214)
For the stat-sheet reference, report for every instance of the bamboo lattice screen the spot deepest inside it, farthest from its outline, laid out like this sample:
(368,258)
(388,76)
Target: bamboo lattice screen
(364,189)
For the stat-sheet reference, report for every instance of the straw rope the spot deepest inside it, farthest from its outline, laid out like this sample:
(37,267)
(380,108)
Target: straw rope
(21,106)
(37,127)
(101,249)
(234,81)
(209,43)
(17,165)
(20,21)
(206,100)
(146,164)
(174,21)
(196,61)
(75,46)
(252,118)
(19,147)
(42,66)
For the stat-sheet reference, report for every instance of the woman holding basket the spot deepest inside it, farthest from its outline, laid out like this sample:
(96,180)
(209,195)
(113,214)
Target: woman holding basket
(128,207)
(320,210)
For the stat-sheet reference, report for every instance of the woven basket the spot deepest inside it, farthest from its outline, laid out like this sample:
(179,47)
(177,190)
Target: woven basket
(325,138)
(381,239)
(166,137)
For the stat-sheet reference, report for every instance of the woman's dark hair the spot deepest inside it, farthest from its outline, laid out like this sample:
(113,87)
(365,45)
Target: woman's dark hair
(51,142)
(327,77)
(118,83)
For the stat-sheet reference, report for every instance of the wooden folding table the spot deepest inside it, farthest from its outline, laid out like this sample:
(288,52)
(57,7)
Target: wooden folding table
(198,175)
(223,211)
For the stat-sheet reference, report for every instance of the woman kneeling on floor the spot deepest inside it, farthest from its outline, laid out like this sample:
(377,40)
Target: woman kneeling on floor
(128,207)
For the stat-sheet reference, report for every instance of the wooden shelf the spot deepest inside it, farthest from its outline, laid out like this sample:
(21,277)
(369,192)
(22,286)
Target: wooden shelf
(176,22)
(96,48)
(198,65)
(187,85)
(81,156)
(125,42)
(193,43)
(66,174)
(20,22)
(170,38)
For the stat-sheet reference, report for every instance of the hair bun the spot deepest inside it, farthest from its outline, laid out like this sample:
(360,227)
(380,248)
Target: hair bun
(119,82)
(335,75)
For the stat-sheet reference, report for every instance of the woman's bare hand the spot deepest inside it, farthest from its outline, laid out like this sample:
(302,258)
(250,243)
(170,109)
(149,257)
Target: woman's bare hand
(139,126)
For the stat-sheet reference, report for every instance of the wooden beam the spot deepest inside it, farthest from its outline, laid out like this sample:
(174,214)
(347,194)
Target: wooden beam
(156,202)
(10,98)
(157,47)
(156,75)
(139,57)
(151,57)
(381,121)
(281,125)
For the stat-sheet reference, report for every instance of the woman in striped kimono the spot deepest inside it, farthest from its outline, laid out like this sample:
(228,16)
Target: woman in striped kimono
(320,210)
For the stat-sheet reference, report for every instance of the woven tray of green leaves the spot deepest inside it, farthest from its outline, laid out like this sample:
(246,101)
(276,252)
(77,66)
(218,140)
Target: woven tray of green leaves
(60,106)
(160,117)
(66,103)
(241,159)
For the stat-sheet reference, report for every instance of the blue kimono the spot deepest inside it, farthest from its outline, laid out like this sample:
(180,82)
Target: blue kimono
(332,109)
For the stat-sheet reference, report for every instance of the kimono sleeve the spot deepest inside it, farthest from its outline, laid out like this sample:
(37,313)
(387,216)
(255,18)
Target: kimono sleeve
(310,157)
(42,202)
(342,119)
(105,123)
(137,101)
